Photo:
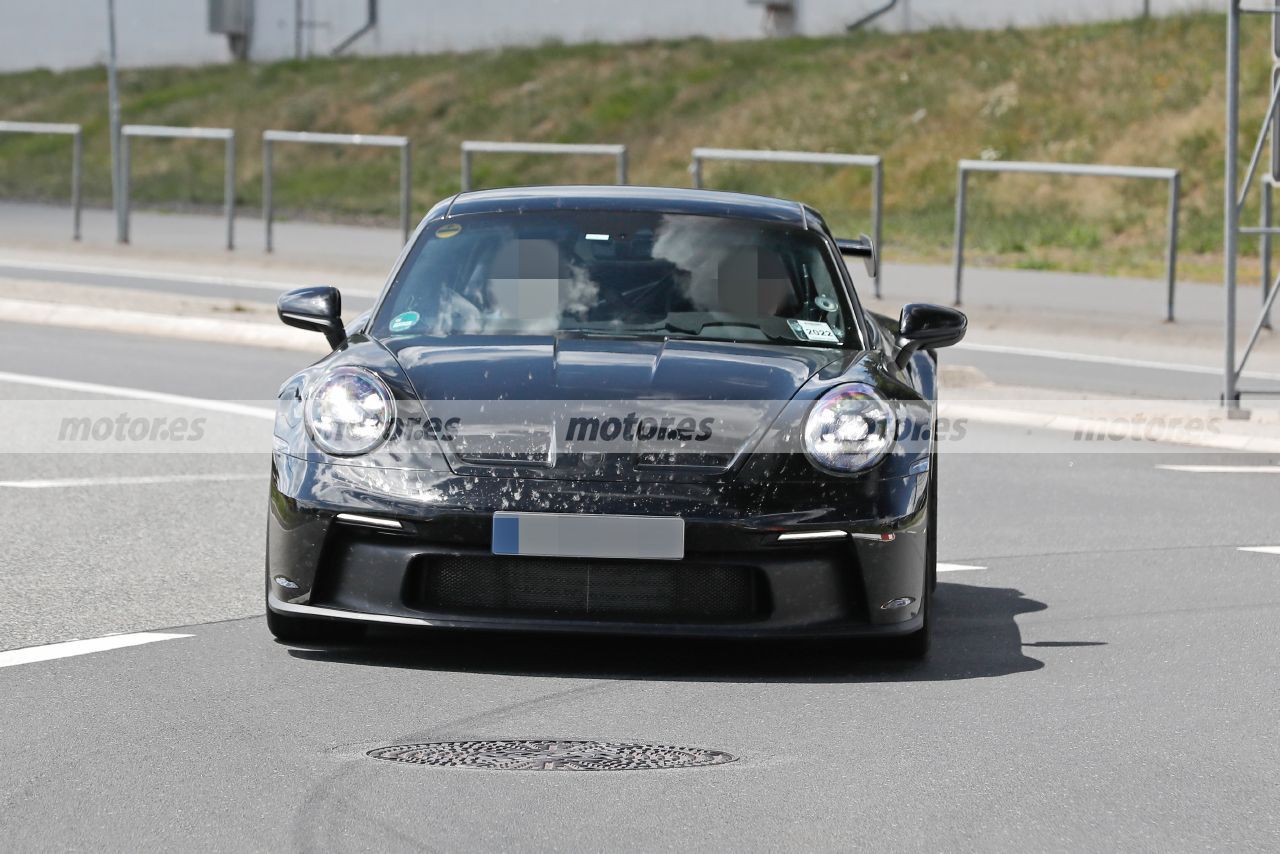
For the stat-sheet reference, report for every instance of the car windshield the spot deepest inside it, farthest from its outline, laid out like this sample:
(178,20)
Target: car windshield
(618,274)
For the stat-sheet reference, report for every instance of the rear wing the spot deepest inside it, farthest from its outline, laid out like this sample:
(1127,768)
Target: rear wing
(862,248)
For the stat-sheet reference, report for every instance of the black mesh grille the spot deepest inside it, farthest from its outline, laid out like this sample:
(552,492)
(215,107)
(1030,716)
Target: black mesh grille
(590,589)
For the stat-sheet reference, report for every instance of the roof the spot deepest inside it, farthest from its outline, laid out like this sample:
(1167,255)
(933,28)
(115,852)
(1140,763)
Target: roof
(627,198)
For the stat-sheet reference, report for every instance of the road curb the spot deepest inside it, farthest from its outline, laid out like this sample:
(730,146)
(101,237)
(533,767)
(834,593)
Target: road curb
(1108,429)
(168,326)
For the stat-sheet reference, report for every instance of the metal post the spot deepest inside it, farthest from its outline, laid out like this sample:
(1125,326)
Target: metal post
(817,158)
(1230,208)
(270,137)
(471,146)
(113,112)
(1269,191)
(76,132)
(229,191)
(1265,234)
(961,187)
(1093,170)
(297,29)
(1264,239)
(126,175)
(225,135)
(266,189)
(405,185)
(77,161)
(1171,265)
(877,208)
(1267,285)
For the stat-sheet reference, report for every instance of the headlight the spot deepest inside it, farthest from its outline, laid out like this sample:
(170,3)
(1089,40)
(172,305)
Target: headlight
(849,429)
(349,412)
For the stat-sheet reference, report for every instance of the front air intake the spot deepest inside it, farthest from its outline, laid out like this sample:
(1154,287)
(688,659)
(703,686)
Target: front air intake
(574,589)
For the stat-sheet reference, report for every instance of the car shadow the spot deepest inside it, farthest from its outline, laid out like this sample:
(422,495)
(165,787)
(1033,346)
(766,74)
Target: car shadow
(975,637)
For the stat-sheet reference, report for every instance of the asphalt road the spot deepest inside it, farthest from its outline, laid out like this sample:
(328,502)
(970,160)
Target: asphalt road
(1071,372)
(224,287)
(1104,673)
(166,365)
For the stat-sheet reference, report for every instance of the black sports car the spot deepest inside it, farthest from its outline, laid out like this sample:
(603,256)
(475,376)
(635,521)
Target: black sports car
(611,409)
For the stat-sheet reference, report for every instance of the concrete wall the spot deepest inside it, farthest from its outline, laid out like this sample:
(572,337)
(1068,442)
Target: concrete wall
(991,14)
(69,33)
(413,26)
(61,34)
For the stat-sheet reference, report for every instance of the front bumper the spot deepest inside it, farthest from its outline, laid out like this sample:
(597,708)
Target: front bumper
(736,580)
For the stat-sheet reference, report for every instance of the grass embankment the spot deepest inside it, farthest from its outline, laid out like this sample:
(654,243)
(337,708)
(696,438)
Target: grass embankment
(1140,92)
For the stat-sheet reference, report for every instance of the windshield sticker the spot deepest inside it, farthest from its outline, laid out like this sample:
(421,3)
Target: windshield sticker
(813,330)
(404,321)
(448,230)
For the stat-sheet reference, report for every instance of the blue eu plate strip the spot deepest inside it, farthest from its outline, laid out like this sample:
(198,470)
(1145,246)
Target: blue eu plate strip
(506,535)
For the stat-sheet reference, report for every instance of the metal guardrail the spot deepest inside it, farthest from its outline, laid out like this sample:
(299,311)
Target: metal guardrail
(1080,170)
(226,135)
(77,157)
(817,158)
(475,146)
(272,136)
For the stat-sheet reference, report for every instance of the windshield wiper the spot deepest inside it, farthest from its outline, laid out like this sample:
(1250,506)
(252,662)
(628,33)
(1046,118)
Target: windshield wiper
(691,325)
(621,332)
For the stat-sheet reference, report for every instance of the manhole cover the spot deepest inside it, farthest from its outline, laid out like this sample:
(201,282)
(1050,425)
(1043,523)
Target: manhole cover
(551,755)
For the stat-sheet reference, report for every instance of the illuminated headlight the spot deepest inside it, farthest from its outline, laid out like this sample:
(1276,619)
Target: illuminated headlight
(349,412)
(849,429)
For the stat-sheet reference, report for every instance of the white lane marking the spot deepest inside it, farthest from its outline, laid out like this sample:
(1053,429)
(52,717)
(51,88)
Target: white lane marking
(1105,360)
(48,652)
(139,480)
(957,567)
(227,281)
(1262,550)
(1223,469)
(138,394)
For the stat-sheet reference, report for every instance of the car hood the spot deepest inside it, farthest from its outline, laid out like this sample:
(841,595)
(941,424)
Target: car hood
(602,407)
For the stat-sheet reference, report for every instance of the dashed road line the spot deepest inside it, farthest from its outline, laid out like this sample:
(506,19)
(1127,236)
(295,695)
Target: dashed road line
(1223,469)
(957,567)
(1262,550)
(138,480)
(67,649)
(138,394)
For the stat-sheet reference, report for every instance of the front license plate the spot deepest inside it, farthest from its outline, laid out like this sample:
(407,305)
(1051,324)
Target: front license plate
(575,535)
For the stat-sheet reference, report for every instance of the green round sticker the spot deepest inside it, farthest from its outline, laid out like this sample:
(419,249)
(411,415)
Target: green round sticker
(404,320)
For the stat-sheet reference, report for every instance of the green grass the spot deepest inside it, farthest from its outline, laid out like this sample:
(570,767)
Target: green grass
(1140,92)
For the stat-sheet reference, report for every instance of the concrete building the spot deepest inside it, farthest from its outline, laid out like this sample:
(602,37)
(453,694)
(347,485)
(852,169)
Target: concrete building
(60,34)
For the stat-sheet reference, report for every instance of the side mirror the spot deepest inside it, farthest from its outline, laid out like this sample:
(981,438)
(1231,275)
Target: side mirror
(317,309)
(862,248)
(928,327)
